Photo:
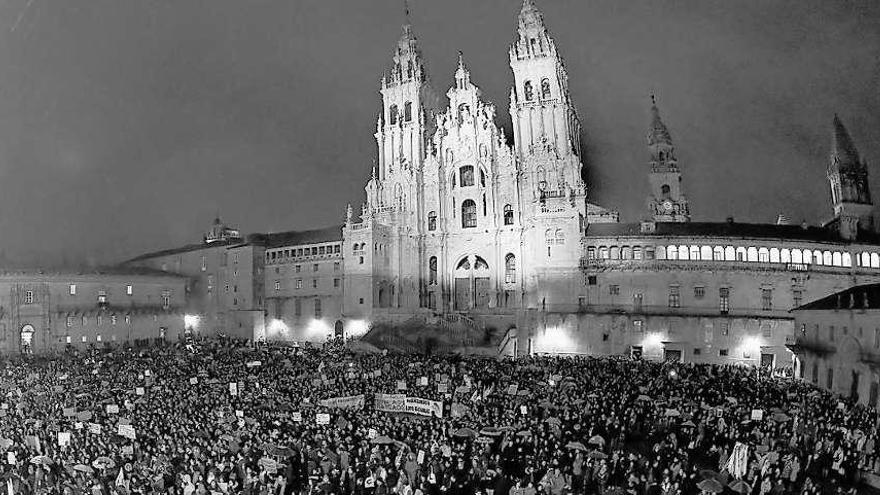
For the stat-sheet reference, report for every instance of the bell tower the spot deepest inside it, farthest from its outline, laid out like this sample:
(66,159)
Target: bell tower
(667,202)
(848,177)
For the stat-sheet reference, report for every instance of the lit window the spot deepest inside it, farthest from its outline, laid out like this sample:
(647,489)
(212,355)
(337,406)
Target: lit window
(638,326)
(317,308)
(467,176)
(508,215)
(129,290)
(432,220)
(335,282)
(112,319)
(766,299)
(166,300)
(299,283)
(432,270)
(102,297)
(205,262)
(98,337)
(72,289)
(277,285)
(70,321)
(68,339)
(128,319)
(674,297)
(29,297)
(724,300)
(84,339)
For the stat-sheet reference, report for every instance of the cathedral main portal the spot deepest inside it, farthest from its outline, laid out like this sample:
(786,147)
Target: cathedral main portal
(472,284)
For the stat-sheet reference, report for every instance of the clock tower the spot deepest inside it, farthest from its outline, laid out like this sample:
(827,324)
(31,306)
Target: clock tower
(667,202)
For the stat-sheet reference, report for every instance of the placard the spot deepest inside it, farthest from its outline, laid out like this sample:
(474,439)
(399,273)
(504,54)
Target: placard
(420,458)
(69,412)
(126,431)
(112,409)
(524,410)
(401,384)
(442,388)
(139,391)
(95,428)
(193,381)
(63,438)
(512,389)
(322,418)
(233,389)
(297,417)
(10,458)
(757,414)
(78,425)
(372,433)
(239,413)
(423,381)
(148,373)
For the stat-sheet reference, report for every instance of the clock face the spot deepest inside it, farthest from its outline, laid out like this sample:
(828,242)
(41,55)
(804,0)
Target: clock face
(667,205)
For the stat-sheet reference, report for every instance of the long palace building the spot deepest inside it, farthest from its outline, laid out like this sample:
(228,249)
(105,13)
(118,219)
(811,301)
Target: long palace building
(464,224)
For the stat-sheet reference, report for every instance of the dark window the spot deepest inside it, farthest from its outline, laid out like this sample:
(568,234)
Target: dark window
(699,292)
(725,328)
(664,189)
(722,352)
(467,176)
(829,382)
(797,297)
(766,299)
(407,111)
(508,215)
(637,302)
(591,280)
(510,268)
(614,290)
(392,115)
(432,270)
(697,351)
(432,220)
(545,89)
(674,297)
(724,300)
(317,308)
(527,90)
(468,214)
(297,307)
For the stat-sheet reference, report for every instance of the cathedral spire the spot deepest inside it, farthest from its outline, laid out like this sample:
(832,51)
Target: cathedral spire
(843,151)
(667,202)
(658,132)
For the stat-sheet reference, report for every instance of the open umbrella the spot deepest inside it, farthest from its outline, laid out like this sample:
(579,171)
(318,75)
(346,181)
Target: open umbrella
(711,486)
(484,440)
(780,417)
(689,424)
(576,446)
(707,474)
(382,440)
(42,460)
(524,433)
(596,440)
(643,398)
(280,451)
(83,468)
(5,443)
(554,421)
(491,431)
(103,463)
(672,413)
(465,433)
(739,486)
(597,455)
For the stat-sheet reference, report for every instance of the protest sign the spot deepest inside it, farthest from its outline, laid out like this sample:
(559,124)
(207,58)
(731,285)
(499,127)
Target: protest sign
(233,389)
(401,384)
(78,425)
(69,412)
(423,381)
(139,391)
(10,458)
(424,407)
(126,431)
(512,389)
(297,417)
(239,413)
(350,402)
(193,381)
(322,418)
(757,414)
(442,388)
(112,409)
(63,438)
(94,428)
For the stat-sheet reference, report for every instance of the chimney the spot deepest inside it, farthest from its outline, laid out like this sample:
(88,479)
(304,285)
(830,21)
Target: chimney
(729,219)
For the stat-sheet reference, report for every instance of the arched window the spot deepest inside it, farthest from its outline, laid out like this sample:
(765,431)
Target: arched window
(875,260)
(527,91)
(763,255)
(450,157)
(510,268)
(482,178)
(409,69)
(866,260)
(752,254)
(705,253)
(432,220)
(545,89)
(664,190)
(392,115)
(672,253)
(817,258)
(835,259)
(603,253)
(560,236)
(683,253)
(797,256)
(784,255)
(741,254)
(467,176)
(774,255)
(468,214)
(718,253)
(615,253)
(637,253)
(626,253)
(807,256)
(591,253)
(660,252)
(407,111)
(695,252)
(729,253)
(826,258)
(462,109)
(432,270)
(508,215)
(846,259)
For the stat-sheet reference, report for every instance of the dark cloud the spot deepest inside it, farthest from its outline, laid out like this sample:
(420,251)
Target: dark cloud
(126,124)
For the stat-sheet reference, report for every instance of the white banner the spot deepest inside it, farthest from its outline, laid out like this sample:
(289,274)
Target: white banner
(424,407)
(390,402)
(350,402)
(126,431)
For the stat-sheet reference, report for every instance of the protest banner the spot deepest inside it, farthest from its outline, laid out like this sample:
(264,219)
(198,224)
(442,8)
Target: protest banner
(322,418)
(349,402)
(424,407)
(390,402)
(126,431)
(63,438)
(253,364)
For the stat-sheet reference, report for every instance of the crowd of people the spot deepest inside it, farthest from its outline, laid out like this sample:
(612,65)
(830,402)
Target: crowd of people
(227,418)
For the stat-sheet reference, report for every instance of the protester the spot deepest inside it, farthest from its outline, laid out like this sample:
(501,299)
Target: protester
(218,417)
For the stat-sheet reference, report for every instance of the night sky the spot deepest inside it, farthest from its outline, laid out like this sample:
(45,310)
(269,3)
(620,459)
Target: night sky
(126,125)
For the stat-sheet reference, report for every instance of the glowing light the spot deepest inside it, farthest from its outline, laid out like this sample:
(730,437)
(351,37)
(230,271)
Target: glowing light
(191,321)
(277,327)
(318,327)
(653,340)
(357,328)
(554,340)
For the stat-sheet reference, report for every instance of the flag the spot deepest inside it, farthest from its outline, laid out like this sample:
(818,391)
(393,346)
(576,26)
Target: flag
(738,461)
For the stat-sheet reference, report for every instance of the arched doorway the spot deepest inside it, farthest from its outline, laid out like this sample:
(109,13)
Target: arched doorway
(338,330)
(472,285)
(27,339)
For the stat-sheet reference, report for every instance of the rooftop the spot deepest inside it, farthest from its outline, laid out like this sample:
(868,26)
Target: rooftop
(726,229)
(297,237)
(186,249)
(858,297)
(85,272)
